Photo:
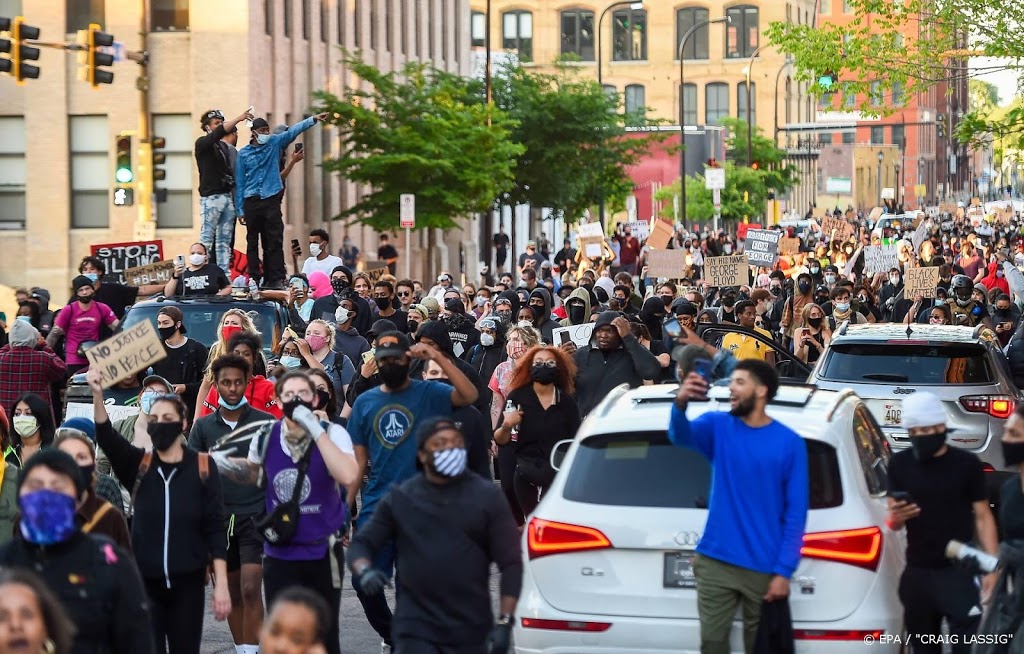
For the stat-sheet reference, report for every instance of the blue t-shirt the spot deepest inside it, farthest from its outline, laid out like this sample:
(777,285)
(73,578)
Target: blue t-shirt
(384,423)
(760,492)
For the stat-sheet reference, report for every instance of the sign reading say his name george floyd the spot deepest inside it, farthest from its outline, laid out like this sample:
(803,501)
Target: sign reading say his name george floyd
(126,353)
(119,257)
(761,246)
(726,271)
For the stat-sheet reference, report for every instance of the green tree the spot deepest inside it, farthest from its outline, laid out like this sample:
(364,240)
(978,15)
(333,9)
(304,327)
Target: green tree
(745,195)
(576,148)
(422,131)
(877,62)
(772,168)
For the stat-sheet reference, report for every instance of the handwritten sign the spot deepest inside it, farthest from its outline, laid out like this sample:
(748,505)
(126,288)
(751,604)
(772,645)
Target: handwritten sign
(115,411)
(666,263)
(880,258)
(837,228)
(592,246)
(661,234)
(921,281)
(124,354)
(375,270)
(639,229)
(578,334)
(154,273)
(789,246)
(726,271)
(590,230)
(761,247)
(119,257)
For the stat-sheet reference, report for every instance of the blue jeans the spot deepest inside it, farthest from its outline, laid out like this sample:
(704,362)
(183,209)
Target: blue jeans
(218,212)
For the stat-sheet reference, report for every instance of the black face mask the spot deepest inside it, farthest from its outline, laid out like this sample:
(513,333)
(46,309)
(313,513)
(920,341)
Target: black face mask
(506,316)
(728,301)
(323,399)
(544,375)
(814,322)
(294,403)
(775,291)
(85,299)
(339,286)
(167,332)
(1013,453)
(925,447)
(804,288)
(412,326)
(393,374)
(163,434)
(577,314)
(382,302)
(87,473)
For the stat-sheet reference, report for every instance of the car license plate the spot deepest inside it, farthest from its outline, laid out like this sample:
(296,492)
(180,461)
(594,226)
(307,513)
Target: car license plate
(679,570)
(893,414)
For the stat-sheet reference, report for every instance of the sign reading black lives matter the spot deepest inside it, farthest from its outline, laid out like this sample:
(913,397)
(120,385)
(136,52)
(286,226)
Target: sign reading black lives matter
(762,247)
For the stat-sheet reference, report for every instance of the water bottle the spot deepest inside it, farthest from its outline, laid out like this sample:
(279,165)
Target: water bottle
(957,550)
(254,291)
(515,430)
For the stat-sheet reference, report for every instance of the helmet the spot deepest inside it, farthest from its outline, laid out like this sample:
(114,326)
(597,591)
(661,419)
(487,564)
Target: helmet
(962,288)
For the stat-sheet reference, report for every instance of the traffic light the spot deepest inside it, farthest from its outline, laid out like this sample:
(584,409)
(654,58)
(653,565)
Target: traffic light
(123,173)
(940,125)
(754,165)
(93,60)
(5,44)
(19,51)
(124,197)
(159,157)
(828,80)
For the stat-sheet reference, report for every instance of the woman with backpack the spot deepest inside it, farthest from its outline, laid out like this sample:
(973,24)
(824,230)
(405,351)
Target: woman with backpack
(178,525)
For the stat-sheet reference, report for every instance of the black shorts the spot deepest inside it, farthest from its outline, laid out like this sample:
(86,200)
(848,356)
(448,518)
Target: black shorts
(244,546)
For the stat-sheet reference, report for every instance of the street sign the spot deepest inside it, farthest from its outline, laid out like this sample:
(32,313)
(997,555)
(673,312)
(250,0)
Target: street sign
(716,196)
(714,178)
(407,212)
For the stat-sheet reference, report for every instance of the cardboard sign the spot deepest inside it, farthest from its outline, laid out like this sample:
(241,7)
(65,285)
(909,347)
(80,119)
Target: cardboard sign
(119,257)
(761,247)
(837,228)
(124,354)
(590,230)
(639,229)
(743,228)
(880,258)
(789,246)
(661,234)
(375,270)
(115,411)
(592,246)
(921,234)
(1004,216)
(578,334)
(726,271)
(154,273)
(921,281)
(666,263)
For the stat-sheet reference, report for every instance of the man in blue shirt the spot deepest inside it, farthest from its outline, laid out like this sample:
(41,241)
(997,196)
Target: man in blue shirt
(258,191)
(758,507)
(382,423)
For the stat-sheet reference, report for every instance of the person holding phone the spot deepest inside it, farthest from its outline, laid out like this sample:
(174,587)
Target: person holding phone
(320,257)
(199,277)
(214,159)
(811,340)
(1005,317)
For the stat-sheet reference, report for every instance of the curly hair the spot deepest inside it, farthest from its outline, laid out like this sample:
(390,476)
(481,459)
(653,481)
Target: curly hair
(221,346)
(566,381)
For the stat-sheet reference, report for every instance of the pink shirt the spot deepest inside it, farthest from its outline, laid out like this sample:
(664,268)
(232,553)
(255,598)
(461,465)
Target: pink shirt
(81,326)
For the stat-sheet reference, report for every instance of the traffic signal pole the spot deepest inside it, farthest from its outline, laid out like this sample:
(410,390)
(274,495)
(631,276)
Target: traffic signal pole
(145,229)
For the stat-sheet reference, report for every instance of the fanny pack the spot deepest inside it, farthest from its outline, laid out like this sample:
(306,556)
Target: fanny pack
(280,525)
(536,471)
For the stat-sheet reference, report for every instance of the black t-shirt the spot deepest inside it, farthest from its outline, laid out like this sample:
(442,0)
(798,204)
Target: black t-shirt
(1011,509)
(208,280)
(540,430)
(388,251)
(117,296)
(945,489)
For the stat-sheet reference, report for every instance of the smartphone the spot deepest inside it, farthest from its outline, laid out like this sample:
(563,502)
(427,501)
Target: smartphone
(703,367)
(563,338)
(248,123)
(369,354)
(295,244)
(179,260)
(902,496)
(672,327)
(298,147)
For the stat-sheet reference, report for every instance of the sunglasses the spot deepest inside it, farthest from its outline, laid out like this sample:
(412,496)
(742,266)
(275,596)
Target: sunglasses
(545,364)
(404,293)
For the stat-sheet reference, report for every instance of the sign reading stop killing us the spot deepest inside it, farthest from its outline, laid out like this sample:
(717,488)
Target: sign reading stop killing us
(761,247)
(126,353)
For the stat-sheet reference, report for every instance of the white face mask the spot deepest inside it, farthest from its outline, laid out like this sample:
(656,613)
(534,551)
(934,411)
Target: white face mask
(314,249)
(480,300)
(894,279)
(727,248)
(262,138)
(26,425)
(341,315)
(196,259)
(486,340)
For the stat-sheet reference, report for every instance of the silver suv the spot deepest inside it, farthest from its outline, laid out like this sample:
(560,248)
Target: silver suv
(964,367)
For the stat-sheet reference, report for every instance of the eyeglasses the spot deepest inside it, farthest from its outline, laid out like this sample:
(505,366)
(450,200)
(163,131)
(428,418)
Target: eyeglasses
(404,293)
(302,395)
(545,364)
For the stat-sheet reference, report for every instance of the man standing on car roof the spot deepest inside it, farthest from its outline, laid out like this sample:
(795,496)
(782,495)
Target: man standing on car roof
(938,492)
(759,499)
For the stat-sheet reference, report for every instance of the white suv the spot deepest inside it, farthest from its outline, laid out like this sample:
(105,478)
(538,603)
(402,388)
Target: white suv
(608,552)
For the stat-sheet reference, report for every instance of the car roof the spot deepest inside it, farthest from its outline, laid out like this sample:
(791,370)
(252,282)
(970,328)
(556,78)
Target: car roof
(880,332)
(619,411)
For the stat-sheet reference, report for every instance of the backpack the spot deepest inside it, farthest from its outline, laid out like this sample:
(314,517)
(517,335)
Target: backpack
(147,461)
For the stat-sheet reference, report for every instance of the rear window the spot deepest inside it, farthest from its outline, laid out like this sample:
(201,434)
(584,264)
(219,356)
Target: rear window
(645,469)
(893,363)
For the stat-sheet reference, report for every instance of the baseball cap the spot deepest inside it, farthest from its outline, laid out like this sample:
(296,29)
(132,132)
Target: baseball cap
(391,344)
(260,123)
(154,379)
(175,314)
(923,409)
(531,244)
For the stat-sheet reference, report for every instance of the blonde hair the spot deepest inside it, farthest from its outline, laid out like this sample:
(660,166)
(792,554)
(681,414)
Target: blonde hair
(221,345)
(328,326)
(528,335)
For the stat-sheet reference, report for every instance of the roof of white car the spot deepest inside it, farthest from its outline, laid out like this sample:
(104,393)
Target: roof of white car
(918,332)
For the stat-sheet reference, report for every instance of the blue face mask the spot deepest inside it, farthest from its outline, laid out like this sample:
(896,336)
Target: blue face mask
(290,362)
(232,407)
(47,517)
(27,319)
(146,400)
(262,138)
(93,277)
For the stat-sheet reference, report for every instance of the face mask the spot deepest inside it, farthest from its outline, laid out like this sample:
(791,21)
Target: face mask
(728,301)
(935,321)
(224,404)
(449,463)
(146,400)
(544,375)
(227,331)
(894,279)
(262,139)
(524,323)
(87,473)
(27,319)
(925,447)
(167,332)
(339,286)
(85,299)
(727,248)
(47,517)
(342,315)
(26,425)
(316,342)
(480,300)
(814,269)
(393,374)
(849,251)
(831,279)
(412,326)
(577,314)
(842,306)
(775,291)
(999,274)
(323,398)
(506,316)
(486,340)
(291,363)
(93,277)
(164,434)
(814,322)
(382,302)
(196,259)
(1013,453)
(692,249)
(804,288)
(515,349)
(314,249)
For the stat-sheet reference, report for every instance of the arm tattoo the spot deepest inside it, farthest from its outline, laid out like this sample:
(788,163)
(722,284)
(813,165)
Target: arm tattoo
(239,470)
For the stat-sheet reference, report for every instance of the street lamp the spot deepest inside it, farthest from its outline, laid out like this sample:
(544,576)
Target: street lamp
(920,180)
(682,112)
(881,156)
(750,127)
(896,198)
(789,62)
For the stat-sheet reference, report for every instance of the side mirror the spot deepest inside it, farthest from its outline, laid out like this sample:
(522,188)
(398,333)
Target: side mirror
(558,453)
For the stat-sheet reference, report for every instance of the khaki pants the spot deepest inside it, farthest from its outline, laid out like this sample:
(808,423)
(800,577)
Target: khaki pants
(720,586)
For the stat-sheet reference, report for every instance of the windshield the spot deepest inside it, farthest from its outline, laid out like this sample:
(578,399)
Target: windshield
(203,320)
(893,363)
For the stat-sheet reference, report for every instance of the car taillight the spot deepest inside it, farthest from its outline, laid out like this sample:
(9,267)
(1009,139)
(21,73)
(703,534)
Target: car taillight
(988,467)
(547,537)
(997,406)
(565,625)
(822,634)
(859,547)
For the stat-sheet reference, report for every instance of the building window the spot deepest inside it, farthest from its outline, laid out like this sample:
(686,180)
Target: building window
(478,28)
(697,46)
(613,95)
(826,8)
(741,34)
(789,100)
(578,33)
(897,94)
(445,5)
(849,137)
(389,37)
(741,102)
(690,104)
(847,6)
(629,35)
(177,130)
(877,99)
(12,172)
(517,33)
(79,13)
(404,22)
(305,19)
(849,97)
(342,8)
(324,13)
(635,101)
(419,27)
(288,18)
(357,23)
(91,169)
(877,135)
(716,102)
(899,136)
(169,15)
(430,27)
(268,17)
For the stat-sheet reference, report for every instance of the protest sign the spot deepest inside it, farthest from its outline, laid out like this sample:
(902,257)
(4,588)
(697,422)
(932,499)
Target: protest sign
(592,246)
(743,228)
(789,246)
(114,411)
(119,257)
(880,258)
(154,273)
(761,247)
(666,263)
(837,228)
(126,353)
(726,271)
(661,234)
(920,235)
(639,229)
(921,281)
(375,270)
(578,334)
(590,230)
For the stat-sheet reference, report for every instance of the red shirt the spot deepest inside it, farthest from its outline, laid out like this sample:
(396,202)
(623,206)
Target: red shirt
(260,395)
(629,250)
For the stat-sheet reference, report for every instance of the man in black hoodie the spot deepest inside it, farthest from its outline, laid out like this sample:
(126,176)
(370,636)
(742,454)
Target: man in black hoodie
(463,334)
(435,332)
(540,301)
(325,307)
(614,356)
(506,307)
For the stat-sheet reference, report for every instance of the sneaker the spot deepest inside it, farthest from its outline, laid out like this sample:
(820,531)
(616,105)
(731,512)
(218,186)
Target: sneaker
(385,648)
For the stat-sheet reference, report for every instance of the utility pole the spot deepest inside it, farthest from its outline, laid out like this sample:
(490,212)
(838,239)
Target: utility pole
(145,229)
